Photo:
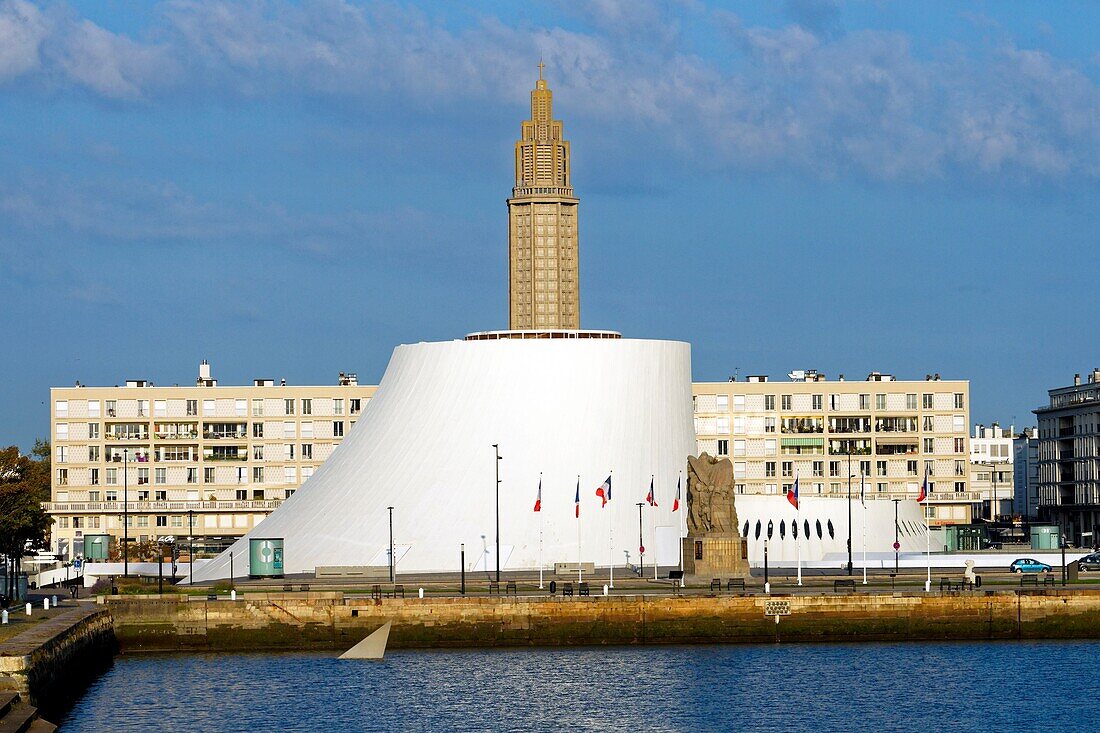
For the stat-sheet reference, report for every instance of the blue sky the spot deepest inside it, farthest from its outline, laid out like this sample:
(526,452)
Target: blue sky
(290,189)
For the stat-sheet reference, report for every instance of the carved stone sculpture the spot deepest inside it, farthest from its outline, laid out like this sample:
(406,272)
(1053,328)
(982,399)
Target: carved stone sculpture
(710,496)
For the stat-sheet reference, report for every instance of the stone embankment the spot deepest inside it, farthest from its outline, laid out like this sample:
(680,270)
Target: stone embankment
(49,665)
(332,621)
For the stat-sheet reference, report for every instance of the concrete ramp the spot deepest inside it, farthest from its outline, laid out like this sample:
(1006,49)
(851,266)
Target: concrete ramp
(372,647)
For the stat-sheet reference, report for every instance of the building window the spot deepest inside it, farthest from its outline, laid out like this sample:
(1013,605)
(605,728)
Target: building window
(816,401)
(785,402)
(208,475)
(160,408)
(143,476)
(257,408)
(62,477)
(112,476)
(289,429)
(288,451)
(160,495)
(865,402)
(242,475)
(208,407)
(306,429)
(738,447)
(739,425)
(307,407)
(257,474)
(769,402)
(769,447)
(192,475)
(788,469)
(307,471)
(769,425)
(819,468)
(880,402)
(240,408)
(290,475)
(177,520)
(880,467)
(338,406)
(739,403)
(960,445)
(960,486)
(337,428)
(958,401)
(257,430)
(93,453)
(143,521)
(93,408)
(929,424)
(834,468)
(723,447)
(160,476)
(242,494)
(865,468)
(911,468)
(288,407)
(958,424)
(62,453)
(723,425)
(926,401)
(62,431)
(910,402)
(192,408)
(722,404)
(258,452)
(769,469)
(930,468)
(94,477)
(307,451)
(929,445)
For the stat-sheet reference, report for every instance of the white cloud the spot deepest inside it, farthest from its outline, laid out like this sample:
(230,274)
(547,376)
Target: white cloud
(804,95)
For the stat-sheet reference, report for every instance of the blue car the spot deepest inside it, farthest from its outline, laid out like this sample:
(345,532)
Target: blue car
(1025,565)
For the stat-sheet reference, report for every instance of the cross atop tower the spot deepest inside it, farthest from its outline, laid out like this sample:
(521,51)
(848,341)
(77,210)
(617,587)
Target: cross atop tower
(541,67)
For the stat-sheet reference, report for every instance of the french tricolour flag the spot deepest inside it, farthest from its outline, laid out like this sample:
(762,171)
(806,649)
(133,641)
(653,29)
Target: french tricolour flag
(792,493)
(538,498)
(578,500)
(676,501)
(650,497)
(604,492)
(923,488)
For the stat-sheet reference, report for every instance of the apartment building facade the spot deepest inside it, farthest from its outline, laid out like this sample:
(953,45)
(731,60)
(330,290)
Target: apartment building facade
(1069,459)
(886,431)
(204,461)
(991,471)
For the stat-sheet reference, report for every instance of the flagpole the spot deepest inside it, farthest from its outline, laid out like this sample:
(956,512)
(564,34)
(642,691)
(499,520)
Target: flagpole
(653,526)
(540,530)
(683,531)
(610,538)
(580,577)
(927,549)
(797,514)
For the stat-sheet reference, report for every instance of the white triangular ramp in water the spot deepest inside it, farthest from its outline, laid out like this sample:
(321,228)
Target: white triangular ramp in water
(372,647)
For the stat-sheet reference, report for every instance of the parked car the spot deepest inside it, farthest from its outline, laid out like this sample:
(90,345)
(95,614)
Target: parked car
(1089,562)
(1027,565)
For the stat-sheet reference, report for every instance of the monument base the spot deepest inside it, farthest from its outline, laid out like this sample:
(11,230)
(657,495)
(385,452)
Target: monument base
(716,556)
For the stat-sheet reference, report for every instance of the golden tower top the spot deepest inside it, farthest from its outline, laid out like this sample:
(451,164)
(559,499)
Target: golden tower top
(542,153)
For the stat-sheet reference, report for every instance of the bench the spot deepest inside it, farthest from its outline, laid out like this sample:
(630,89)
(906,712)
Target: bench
(1049,579)
(287,588)
(1029,580)
(582,589)
(738,583)
(847,584)
(567,590)
(494,587)
(397,590)
(376,592)
(304,587)
(951,585)
(715,584)
(211,596)
(510,587)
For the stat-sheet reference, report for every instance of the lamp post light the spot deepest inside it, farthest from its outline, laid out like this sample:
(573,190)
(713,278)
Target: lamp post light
(392,576)
(849,509)
(767,585)
(641,544)
(126,512)
(496,464)
(1063,544)
(462,567)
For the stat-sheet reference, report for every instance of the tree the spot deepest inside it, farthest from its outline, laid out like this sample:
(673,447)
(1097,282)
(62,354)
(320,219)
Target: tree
(24,524)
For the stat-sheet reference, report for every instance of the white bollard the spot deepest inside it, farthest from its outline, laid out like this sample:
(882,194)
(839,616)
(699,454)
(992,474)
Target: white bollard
(928,586)
(45,604)
(767,587)
(605,589)
(421,592)
(53,601)
(4,616)
(232,595)
(28,609)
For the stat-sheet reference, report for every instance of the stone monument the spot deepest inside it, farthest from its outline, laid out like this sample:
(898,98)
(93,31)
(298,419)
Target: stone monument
(713,547)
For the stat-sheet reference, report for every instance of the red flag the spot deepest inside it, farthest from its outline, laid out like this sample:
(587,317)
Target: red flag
(676,501)
(538,498)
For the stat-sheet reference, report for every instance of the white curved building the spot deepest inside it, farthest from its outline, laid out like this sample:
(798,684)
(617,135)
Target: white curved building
(559,405)
(823,529)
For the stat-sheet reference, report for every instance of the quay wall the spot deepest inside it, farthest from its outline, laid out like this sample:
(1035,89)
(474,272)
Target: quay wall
(331,621)
(50,664)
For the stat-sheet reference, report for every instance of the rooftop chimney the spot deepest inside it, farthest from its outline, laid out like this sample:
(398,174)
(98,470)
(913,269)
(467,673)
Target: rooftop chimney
(205,380)
(1076,380)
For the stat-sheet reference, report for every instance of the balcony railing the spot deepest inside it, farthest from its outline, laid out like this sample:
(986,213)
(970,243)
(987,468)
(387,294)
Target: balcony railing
(116,507)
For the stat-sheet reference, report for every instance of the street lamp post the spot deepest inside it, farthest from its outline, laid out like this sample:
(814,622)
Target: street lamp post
(767,585)
(462,567)
(496,464)
(641,544)
(126,512)
(849,509)
(392,576)
(897,537)
(191,546)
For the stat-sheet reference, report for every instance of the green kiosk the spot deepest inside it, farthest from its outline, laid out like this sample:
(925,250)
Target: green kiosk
(265,557)
(97,547)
